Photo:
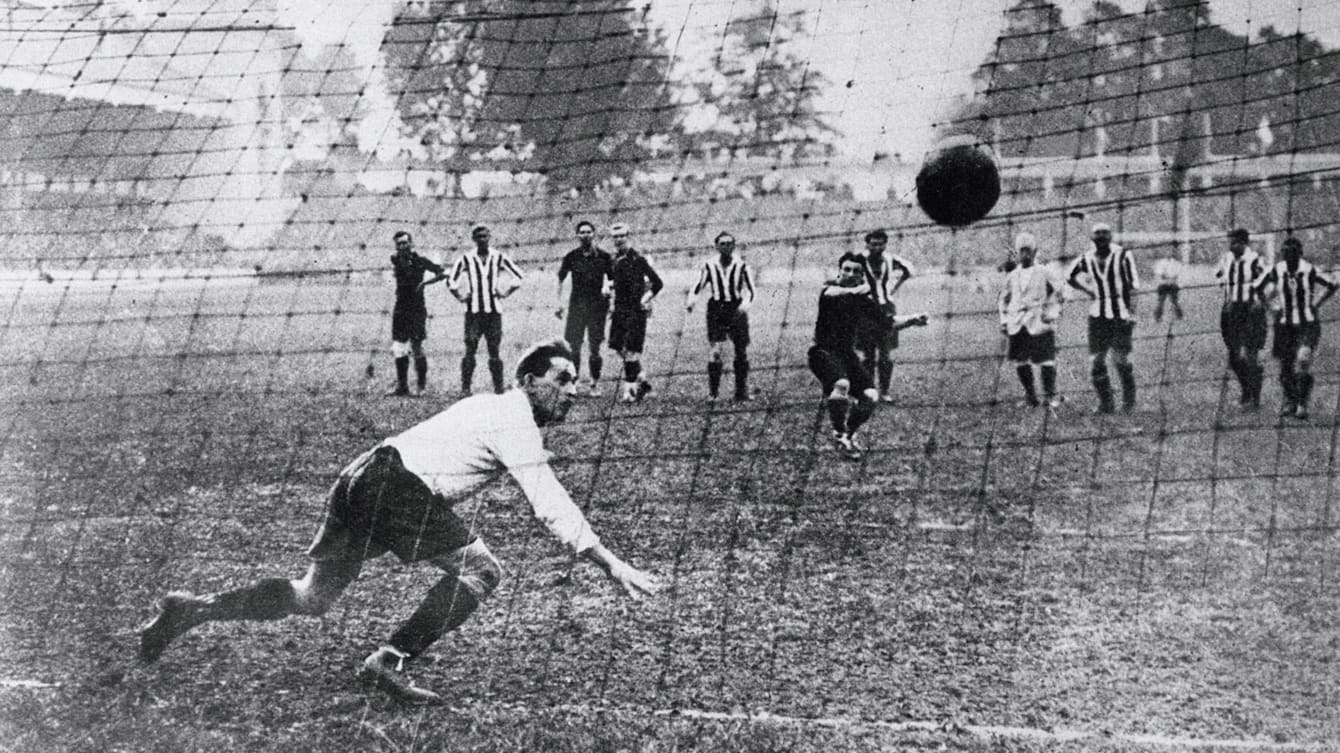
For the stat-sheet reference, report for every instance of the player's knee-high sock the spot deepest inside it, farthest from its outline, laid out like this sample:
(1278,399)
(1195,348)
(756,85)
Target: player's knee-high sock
(1255,377)
(632,370)
(714,369)
(1288,382)
(1235,364)
(1049,380)
(861,412)
(1304,388)
(1025,373)
(885,374)
(421,370)
(268,599)
(402,373)
(576,356)
(1126,372)
(741,373)
(467,372)
(838,408)
(446,606)
(595,363)
(496,372)
(1102,385)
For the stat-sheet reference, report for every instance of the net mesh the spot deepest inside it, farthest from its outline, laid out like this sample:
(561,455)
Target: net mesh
(198,204)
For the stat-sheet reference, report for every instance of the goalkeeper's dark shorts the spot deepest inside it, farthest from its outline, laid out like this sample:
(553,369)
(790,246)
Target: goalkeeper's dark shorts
(378,506)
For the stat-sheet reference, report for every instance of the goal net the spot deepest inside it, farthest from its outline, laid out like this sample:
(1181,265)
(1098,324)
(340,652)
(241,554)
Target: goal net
(198,204)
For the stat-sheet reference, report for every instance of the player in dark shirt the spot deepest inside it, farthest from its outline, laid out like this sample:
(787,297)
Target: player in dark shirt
(588,304)
(409,317)
(846,309)
(635,286)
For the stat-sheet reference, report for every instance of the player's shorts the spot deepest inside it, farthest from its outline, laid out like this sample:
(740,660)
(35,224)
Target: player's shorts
(585,320)
(409,323)
(1289,338)
(1032,348)
(377,506)
(486,325)
(1110,334)
(1243,325)
(725,321)
(628,329)
(830,366)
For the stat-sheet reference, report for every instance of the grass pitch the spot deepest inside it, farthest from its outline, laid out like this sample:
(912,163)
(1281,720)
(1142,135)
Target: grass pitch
(987,578)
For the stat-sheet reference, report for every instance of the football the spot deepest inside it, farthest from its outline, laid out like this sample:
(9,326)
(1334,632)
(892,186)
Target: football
(959,182)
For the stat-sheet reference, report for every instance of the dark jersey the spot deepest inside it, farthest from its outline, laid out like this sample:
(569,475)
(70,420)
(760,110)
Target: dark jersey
(409,270)
(588,274)
(841,317)
(632,274)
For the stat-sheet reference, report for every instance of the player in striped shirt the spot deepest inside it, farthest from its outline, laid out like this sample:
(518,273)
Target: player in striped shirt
(1030,303)
(878,343)
(1111,270)
(479,280)
(398,498)
(1242,320)
(1297,328)
(730,295)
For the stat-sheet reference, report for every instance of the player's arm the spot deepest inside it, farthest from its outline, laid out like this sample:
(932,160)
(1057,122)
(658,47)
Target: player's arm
(832,290)
(913,320)
(904,273)
(1327,283)
(458,272)
(1003,301)
(563,269)
(746,291)
(439,274)
(1076,272)
(654,284)
(696,289)
(506,264)
(555,509)
(1131,277)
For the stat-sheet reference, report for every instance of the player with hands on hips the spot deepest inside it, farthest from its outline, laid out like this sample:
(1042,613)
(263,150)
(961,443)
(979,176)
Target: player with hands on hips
(481,280)
(635,284)
(730,286)
(1029,305)
(1111,270)
(409,316)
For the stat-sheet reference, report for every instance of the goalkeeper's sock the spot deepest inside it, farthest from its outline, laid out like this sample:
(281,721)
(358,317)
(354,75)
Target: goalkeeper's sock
(837,413)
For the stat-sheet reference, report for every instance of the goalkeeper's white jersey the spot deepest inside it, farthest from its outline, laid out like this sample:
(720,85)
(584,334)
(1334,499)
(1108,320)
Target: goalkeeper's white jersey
(478,439)
(1030,300)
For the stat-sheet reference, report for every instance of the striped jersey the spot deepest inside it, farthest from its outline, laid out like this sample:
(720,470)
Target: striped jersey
(1295,291)
(879,275)
(1114,281)
(729,282)
(482,274)
(1237,275)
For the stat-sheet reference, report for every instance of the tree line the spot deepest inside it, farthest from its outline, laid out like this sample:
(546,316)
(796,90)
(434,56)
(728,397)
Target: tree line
(1164,78)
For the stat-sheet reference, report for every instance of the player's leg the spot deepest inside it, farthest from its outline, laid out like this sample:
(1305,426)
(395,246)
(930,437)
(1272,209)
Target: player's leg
(420,363)
(473,331)
(471,574)
(1018,353)
(1284,348)
(573,330)
(400,352)
(266,599)
(493,340)
(716,366)
(1042,353)
(1102,383)
(884,364)
(1303,369)
(740,368)
(864,399)
(1122,344)
(1162,296)
(836,387)
(595,334)
(1175,299)
(1252,342)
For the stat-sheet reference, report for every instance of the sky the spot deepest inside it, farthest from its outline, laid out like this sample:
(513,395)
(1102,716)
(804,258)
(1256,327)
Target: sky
(897,65)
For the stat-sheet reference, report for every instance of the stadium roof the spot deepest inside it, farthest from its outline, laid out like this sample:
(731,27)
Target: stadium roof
(185,56)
